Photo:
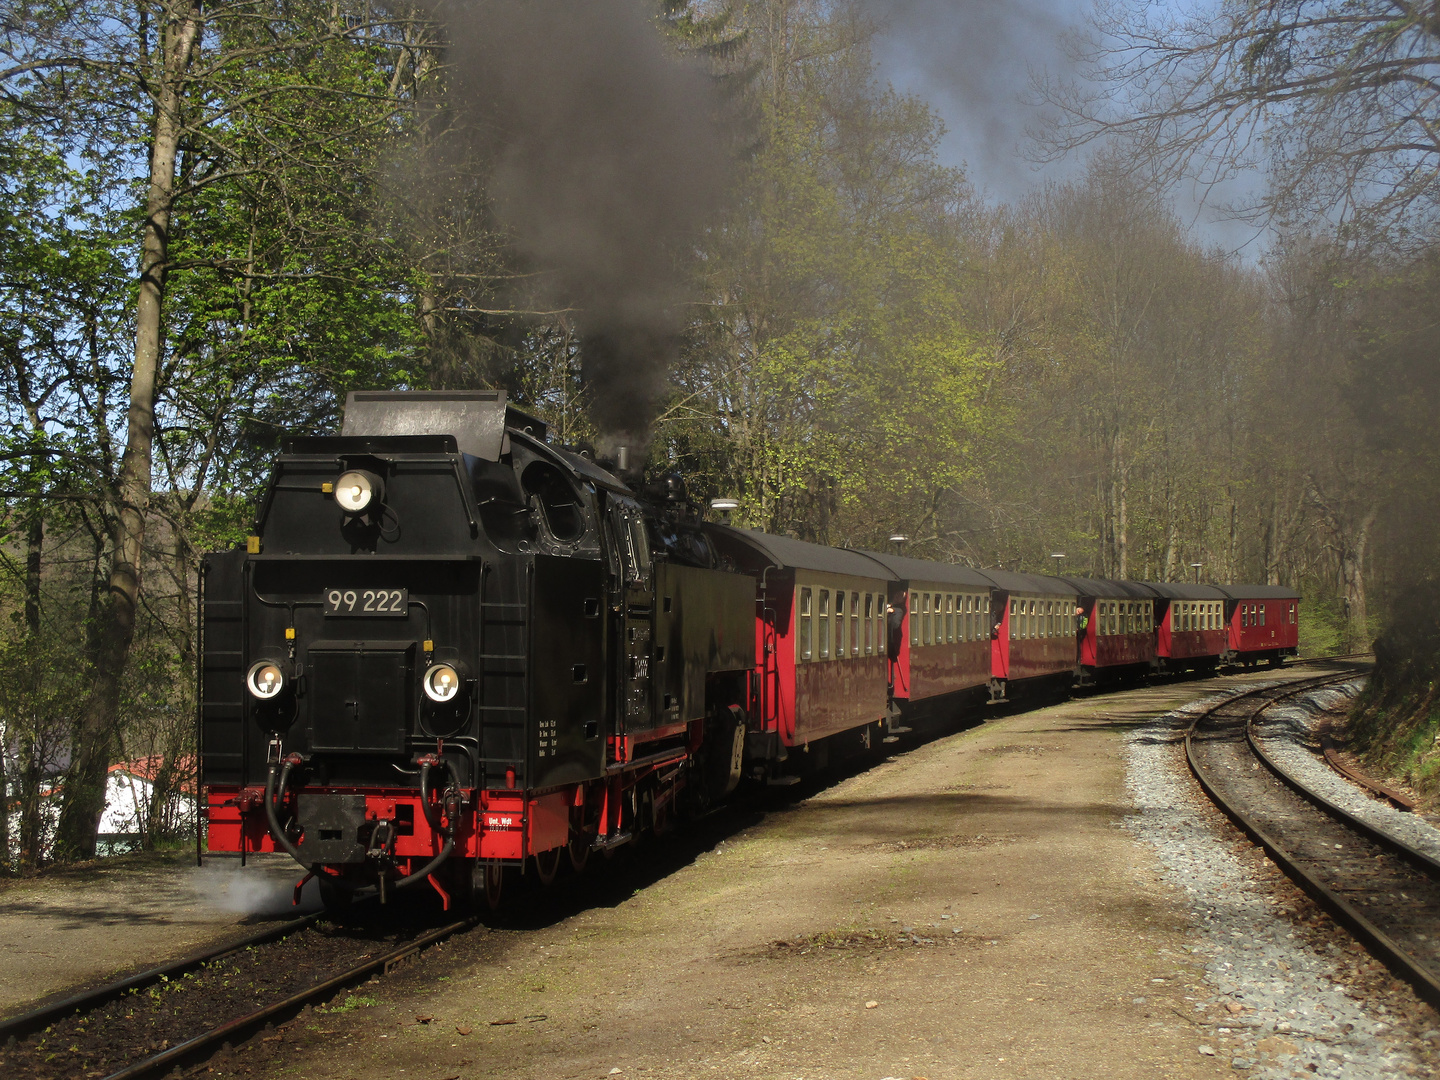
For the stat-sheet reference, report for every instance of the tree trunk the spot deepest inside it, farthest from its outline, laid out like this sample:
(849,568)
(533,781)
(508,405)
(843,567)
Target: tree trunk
(1352,572)
(96,738)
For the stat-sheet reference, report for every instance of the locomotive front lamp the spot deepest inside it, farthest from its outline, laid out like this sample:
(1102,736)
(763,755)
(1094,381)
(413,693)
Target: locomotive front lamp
(356,490)
(265,680)
(441,683)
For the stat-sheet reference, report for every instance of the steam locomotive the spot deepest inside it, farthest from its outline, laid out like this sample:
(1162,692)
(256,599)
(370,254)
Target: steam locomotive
(453,648)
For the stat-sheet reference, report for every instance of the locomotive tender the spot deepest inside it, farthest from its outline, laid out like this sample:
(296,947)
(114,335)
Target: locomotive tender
(453,647)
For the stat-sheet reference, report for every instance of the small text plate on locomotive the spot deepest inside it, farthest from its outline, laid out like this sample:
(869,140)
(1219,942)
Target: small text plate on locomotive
(367,602)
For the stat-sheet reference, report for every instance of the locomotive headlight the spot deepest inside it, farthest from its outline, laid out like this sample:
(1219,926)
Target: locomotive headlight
(441,683)
(356,490)
(265,680)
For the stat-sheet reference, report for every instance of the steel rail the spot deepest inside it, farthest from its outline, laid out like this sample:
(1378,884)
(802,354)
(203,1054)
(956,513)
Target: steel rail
(1418,859)
(207,1042)
(1374,787)
(1384,947)
(18,1027)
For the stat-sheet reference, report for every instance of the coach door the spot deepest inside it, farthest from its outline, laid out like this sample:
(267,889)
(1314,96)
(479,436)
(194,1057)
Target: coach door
(632,612)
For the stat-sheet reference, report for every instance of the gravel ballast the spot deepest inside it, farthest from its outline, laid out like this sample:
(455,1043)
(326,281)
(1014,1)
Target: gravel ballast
(1281,1006)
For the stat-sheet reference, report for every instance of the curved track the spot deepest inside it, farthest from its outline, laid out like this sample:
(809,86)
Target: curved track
(1385,892)
(228,1017)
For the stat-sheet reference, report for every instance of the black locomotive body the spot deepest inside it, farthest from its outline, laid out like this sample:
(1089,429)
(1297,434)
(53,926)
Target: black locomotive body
(451,646)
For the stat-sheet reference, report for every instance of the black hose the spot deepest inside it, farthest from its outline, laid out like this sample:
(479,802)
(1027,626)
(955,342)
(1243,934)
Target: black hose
(270,798)
(432,818)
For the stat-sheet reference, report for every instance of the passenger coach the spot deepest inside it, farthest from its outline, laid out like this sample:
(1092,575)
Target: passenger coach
(940,634)
(1117,629)
(820,645)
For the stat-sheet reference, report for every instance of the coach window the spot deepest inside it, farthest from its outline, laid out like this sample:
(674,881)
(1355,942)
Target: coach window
(914,618)
(842,644)
(869,626)
(1032,629)
(806,641)
(881,632)
(1292,613)
(824,624)
(1014,627)
(855,624)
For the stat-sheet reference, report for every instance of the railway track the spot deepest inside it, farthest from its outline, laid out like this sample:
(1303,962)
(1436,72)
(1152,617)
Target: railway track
(1383,891)
(170,1016)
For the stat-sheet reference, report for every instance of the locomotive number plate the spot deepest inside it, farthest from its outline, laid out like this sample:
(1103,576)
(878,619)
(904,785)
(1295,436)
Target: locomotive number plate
(367,602)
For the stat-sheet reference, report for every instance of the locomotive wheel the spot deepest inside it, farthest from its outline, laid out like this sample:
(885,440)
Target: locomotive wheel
(494,883)
(579,850)
(334,894)
(547,865)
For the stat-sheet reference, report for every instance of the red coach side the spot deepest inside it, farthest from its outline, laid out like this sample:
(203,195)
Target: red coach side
(1263,622)
(1117,628)
(1190,625)
(821,667)
(940,642)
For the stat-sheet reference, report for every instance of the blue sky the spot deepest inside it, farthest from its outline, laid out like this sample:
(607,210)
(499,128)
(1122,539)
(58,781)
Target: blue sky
(972,60)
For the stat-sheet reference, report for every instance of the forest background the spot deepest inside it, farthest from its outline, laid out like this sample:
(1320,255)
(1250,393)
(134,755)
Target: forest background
(219,217)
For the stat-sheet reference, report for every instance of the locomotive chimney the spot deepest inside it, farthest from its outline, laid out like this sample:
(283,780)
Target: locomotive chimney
(622,458)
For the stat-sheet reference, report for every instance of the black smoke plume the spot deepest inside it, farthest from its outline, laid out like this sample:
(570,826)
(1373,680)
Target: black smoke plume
(607,159)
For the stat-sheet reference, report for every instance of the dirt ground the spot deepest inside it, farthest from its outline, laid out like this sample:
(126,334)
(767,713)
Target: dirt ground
(967,909)
(79,927)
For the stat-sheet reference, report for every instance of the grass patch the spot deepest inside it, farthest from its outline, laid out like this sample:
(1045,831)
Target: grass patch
(350,1004)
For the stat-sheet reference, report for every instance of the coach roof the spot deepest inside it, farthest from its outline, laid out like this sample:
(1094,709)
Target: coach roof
(1028,583)
(1258,592)
(787,552)
(1180,590)
(908,569)
(1107,587)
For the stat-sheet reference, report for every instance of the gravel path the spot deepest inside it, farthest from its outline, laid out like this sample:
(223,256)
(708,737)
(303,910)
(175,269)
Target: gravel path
(1278,1009)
